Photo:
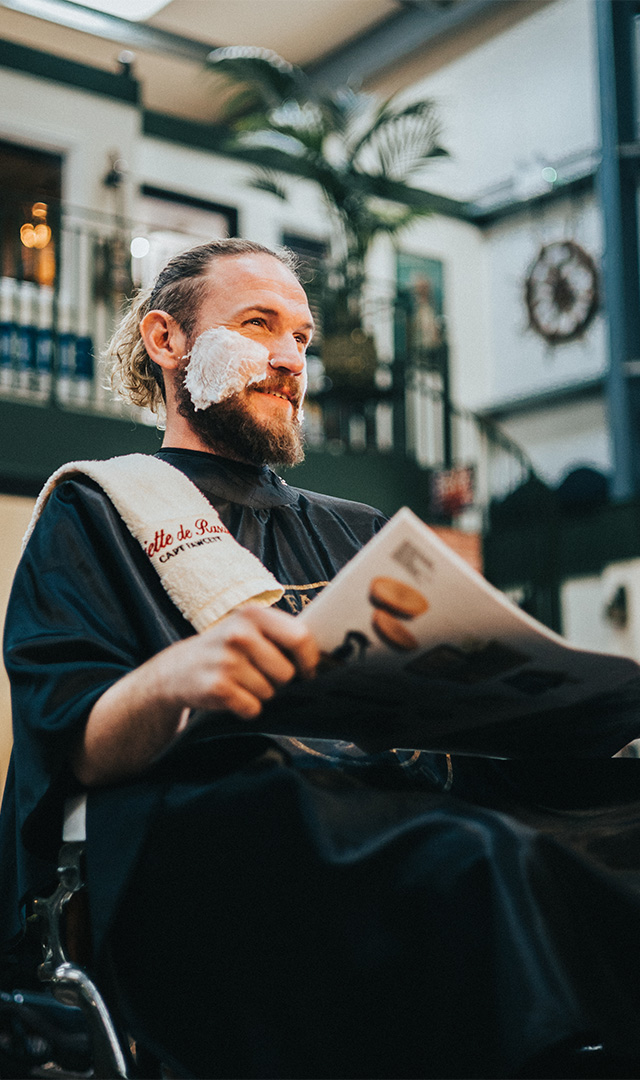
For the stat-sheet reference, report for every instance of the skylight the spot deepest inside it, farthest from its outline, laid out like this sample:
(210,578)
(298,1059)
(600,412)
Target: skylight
(134,10)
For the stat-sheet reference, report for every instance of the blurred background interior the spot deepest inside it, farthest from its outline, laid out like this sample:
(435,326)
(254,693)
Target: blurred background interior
(470,251)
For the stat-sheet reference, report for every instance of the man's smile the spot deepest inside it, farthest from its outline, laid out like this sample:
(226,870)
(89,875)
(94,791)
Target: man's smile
(275,393)
(285,392)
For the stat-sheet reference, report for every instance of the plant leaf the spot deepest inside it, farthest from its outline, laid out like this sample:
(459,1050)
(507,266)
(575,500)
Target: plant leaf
(270,139)
(400,140)
(360,154)
(269,181)
(275,80)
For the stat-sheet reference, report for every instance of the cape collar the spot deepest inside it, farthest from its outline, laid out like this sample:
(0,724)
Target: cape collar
(257,486)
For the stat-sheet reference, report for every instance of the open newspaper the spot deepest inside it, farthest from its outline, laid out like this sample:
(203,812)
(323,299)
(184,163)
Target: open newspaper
(462,669)
(466,638)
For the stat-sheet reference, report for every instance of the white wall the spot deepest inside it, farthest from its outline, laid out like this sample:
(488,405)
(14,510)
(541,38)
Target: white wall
(562,437)
(523,363)
(509,106)
(523,99)
(584,603)
(85,127)
(262,217)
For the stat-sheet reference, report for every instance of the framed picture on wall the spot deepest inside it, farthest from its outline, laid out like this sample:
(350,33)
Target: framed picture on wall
(420,284)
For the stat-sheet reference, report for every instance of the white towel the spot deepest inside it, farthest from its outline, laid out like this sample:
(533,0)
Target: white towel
(205,571)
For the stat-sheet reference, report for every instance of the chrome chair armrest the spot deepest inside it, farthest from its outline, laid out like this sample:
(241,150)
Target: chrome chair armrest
(69,981)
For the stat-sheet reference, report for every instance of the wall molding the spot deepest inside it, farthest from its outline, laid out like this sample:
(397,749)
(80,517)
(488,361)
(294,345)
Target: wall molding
(44,65)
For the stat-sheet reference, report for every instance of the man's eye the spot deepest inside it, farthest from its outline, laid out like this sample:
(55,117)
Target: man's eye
(255,321)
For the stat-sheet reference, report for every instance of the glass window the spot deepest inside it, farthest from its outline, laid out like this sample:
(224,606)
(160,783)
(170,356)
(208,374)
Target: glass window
(168,223)
(30,187)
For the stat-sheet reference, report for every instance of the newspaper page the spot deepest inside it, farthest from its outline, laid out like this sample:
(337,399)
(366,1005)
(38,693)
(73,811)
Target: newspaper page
(461,652)
(420,652)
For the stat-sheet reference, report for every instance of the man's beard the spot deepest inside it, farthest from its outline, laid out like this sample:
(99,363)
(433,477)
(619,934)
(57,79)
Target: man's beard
(229,427)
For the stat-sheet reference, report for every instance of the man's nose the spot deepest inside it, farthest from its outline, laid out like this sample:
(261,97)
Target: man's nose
(286,356)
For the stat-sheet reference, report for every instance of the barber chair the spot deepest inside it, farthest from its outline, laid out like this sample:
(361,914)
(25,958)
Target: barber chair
(62,919)
(70,1020)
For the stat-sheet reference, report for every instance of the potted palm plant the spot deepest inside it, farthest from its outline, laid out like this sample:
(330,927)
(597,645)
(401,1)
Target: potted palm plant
(361,153)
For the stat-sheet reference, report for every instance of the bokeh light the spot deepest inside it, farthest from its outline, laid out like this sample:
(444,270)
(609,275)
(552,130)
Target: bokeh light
(140,247)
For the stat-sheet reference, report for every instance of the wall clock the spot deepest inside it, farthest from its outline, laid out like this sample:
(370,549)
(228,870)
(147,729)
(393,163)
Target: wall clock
(561,291)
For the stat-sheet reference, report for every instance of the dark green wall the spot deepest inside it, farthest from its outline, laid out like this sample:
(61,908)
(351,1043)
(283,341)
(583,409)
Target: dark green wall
(385,481)
(68,72)
(36,440)
(563,545)
(539,554)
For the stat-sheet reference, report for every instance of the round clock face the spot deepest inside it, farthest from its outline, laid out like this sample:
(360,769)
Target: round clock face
(562,291)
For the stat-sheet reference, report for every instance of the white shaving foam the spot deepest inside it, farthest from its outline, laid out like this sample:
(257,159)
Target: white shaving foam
(222,363)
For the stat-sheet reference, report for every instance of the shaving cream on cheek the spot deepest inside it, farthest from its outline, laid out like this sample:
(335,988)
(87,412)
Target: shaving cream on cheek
(222,363)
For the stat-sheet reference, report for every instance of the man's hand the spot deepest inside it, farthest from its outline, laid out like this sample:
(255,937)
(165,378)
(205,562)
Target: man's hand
(235,666)
(239,663)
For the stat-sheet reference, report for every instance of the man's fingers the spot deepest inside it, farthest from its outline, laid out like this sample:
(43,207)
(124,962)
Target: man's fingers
(248,648)
(254,652)
(236,685)
(289,636)
(240,662)
(307,657)
(242,703)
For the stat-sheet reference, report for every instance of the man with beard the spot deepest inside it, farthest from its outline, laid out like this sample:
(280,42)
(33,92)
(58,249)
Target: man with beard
(274,906)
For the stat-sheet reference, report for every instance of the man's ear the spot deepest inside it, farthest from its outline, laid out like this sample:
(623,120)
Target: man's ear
(164,341)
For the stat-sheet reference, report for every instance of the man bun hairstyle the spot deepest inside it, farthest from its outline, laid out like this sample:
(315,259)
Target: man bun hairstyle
(179,290)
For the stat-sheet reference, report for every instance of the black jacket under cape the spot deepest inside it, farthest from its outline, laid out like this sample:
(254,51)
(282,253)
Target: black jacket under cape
(396,925)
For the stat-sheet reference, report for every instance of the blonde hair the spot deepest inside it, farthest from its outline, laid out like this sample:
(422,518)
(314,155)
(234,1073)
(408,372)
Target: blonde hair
(179,290)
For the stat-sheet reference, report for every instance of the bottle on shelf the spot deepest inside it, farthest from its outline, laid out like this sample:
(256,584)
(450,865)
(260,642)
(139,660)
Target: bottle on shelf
(84,368)
(8,328)
(26,336)
(44,342)
(66,365)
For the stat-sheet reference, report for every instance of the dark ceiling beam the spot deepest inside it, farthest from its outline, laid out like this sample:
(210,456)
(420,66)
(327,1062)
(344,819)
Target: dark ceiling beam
(416,25)
(128,34)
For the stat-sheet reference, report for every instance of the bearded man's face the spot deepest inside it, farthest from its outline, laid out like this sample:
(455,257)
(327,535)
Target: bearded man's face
(255,417)
(231,427)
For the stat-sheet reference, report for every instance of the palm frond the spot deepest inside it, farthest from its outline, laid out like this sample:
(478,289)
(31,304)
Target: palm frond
(307,122)
(391,108)
(360,155)
(345,110)
(304,123)
(275,79)
(268,138)
(400,139)
(269,181)
(397,152)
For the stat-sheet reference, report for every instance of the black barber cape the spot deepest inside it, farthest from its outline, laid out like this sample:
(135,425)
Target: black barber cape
(87,607)
(350,914)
